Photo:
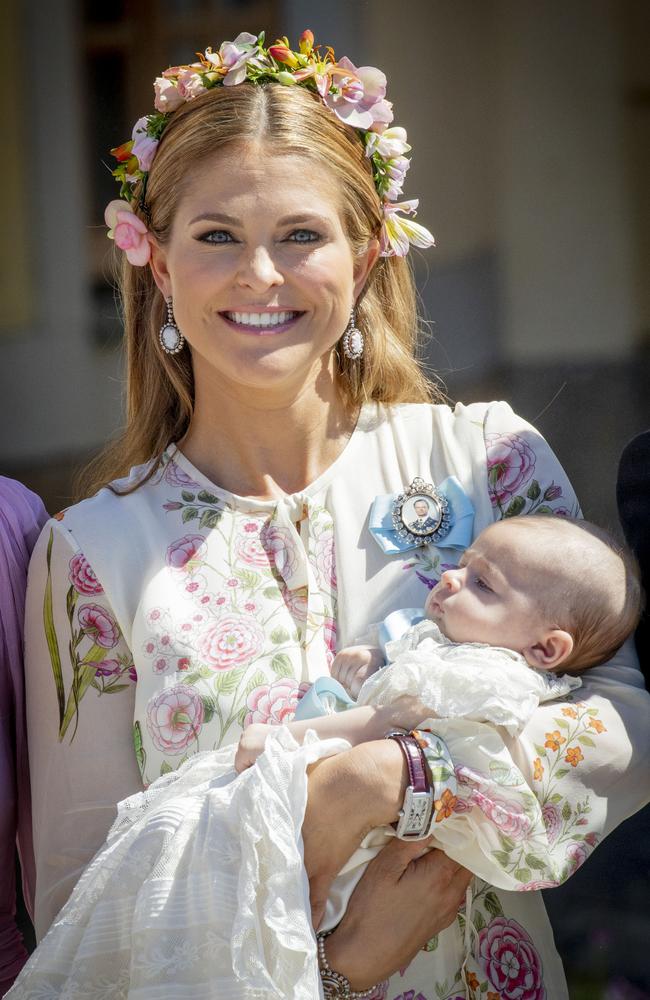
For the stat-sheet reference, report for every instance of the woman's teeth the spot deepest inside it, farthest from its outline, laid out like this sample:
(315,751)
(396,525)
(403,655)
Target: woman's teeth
(261,319)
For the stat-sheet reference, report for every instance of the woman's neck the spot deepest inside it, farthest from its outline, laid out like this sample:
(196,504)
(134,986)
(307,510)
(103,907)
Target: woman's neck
(263,444)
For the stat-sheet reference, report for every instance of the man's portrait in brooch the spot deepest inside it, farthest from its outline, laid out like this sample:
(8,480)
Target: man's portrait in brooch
(416,515)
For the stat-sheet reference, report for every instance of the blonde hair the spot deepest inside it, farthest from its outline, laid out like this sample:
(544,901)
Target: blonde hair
(290,120)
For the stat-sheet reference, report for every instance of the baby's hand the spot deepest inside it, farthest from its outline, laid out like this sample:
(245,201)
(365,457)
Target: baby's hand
(354,664)
(251,745)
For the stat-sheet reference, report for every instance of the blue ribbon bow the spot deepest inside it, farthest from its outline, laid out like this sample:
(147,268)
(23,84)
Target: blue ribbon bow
(461,511)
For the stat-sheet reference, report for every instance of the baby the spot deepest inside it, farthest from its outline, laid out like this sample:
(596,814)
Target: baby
(534,592)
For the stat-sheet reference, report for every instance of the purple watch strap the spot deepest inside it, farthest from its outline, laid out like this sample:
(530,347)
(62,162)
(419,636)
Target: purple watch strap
(415,761)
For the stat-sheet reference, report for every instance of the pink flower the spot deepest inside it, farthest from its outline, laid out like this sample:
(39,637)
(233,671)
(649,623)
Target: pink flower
(99,624)
(329,634)
(106,668)
(82,576)
(325,559)
(128,231)
(249,548)
(509,817)
(235,55)
(183,663)
(576,855)
(398,233)
(160,665)
(510,960)
(360,98)
(562,512)
(186,553)
(552,821)
(144,147)
(190,85)
(168,97)
(274,703)
(540,883)
(591,839)
(175,476)
(510,464)
(174,719)
(296,602)
(279,547)
(232,640)
(552,492)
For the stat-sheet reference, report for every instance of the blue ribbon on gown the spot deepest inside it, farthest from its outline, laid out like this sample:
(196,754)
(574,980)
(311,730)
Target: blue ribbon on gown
(461,517)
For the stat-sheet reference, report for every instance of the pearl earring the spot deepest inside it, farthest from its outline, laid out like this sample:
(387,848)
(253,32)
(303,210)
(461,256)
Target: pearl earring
(171,339)
(353,339)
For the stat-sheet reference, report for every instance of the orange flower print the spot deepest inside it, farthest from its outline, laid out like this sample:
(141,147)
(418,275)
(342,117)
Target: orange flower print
(554,740)
(444,806)
(570,712)
(573,756)
(538,770)
(472,981)
(493,996)
(597,725)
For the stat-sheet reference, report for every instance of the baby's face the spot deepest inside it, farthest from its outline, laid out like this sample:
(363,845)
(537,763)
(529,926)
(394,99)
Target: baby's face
(489,598)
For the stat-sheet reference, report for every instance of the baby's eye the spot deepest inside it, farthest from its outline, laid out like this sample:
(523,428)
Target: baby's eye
(217,236)
(482,585)
(303,236)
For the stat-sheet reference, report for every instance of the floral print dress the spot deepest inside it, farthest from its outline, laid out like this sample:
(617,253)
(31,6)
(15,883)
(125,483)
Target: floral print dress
(199,612)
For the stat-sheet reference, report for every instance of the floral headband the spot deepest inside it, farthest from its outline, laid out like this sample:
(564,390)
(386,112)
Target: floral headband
(356,95)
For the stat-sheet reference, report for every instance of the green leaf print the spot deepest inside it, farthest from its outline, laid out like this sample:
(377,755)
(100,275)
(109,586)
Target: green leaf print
(226,681)
(84,674)
(279,635)
(50,635)
(492,904)
(209,519)
(205,497)
(187,496)
(533,491)
(165,768)
(255,681)
(534,862)
(140,752)
(522,874)
(189,514)
(515,507)
(281,665)
(248,578)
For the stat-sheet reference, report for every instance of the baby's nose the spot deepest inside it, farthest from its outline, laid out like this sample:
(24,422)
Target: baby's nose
(451,579)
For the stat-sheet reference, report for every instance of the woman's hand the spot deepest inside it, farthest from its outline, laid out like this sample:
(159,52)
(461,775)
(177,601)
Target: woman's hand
(403,899)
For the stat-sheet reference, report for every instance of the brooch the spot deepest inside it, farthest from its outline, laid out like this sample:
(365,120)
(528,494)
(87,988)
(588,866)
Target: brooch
(423,514)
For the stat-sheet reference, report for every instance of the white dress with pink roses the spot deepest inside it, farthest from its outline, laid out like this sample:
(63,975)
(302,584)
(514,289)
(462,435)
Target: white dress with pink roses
(198,612)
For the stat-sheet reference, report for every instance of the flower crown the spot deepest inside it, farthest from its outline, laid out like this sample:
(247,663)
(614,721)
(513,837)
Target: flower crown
(356,95)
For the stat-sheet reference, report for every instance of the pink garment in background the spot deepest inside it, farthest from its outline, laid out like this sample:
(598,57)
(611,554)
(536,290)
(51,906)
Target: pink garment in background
(22,516)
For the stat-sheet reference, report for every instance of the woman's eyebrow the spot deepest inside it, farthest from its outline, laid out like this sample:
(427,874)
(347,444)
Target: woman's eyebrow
(227,220)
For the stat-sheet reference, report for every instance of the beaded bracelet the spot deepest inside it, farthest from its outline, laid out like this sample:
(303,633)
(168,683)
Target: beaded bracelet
(335,985)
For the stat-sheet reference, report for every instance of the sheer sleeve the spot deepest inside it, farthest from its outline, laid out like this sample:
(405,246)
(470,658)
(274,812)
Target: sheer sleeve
(80,696)
(581,765)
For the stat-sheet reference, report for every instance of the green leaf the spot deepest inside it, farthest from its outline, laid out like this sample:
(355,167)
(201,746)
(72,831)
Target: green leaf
(209,708)
(541,751)
(189,514)
(566,811)
(478,920)
(187,496)
(556,797)
(586,741)
(226,681)
(70,601)
(255,681)
(562,772)
(593,712)
(209,519)
(84,675)
(533,490)
(248,578)
(165,768)
(522,874)
(270,592)
(515,507)
(431,944)
(50,636)
(281,665)
(140,752)
(506,843)
(279,636)
(505,775)
(534,862)
(442,989)
(240,718)
(205,497)
(562,723)
(503,857)
(115,687)
(544,509)
(492,904)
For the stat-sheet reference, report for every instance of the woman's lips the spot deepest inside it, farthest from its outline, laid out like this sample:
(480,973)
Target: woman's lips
(262,323)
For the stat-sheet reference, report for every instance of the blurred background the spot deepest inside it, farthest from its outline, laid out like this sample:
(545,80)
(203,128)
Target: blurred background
(530,122)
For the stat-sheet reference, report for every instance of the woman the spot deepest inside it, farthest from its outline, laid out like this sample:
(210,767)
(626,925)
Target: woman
(22,516)
(269,426)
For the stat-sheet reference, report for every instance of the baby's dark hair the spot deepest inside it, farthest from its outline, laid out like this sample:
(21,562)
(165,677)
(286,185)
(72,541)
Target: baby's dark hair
(594,593)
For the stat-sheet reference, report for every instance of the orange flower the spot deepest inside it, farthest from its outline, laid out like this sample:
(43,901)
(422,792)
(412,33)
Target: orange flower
(59,515)
(444,806)
(554,740)
(571,712)
(493,996)
(472,981)
(597,725)
(538,770)
(573,756)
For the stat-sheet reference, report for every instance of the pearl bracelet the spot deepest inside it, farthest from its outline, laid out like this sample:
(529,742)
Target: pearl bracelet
(335,985)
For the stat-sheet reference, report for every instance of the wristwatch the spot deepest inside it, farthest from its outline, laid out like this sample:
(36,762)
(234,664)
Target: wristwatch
(415,814)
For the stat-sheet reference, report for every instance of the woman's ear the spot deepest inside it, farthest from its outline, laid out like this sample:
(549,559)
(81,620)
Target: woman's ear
(363,265)
(553,649)
(158,265)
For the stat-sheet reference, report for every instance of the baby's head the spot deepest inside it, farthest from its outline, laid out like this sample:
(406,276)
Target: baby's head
(559,591)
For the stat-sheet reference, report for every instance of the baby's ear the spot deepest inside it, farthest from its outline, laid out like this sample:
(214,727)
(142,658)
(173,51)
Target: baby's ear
(552,650)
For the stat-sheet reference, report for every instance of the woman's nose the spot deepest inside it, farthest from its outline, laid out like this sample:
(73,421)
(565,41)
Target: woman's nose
(258,270)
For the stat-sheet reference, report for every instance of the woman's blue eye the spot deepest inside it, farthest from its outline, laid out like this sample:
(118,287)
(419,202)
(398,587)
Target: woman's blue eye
(217,236)
(304,236)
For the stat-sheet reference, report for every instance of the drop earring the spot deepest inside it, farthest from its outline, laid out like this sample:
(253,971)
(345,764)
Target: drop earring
(171,339)
(353,339)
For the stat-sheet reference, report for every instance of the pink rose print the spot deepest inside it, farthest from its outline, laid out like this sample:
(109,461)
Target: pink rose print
(280,549)
(509,817)
(249,548)
(274,703)
(510,960)
(296,602)
(175,476)
(510,464)
(576,855)
(329,634)
(552,821)
(231,641)
(106,668)
(82,576)
(100,625)
(325,560)
(186,553)
(540,883)
(174,719)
